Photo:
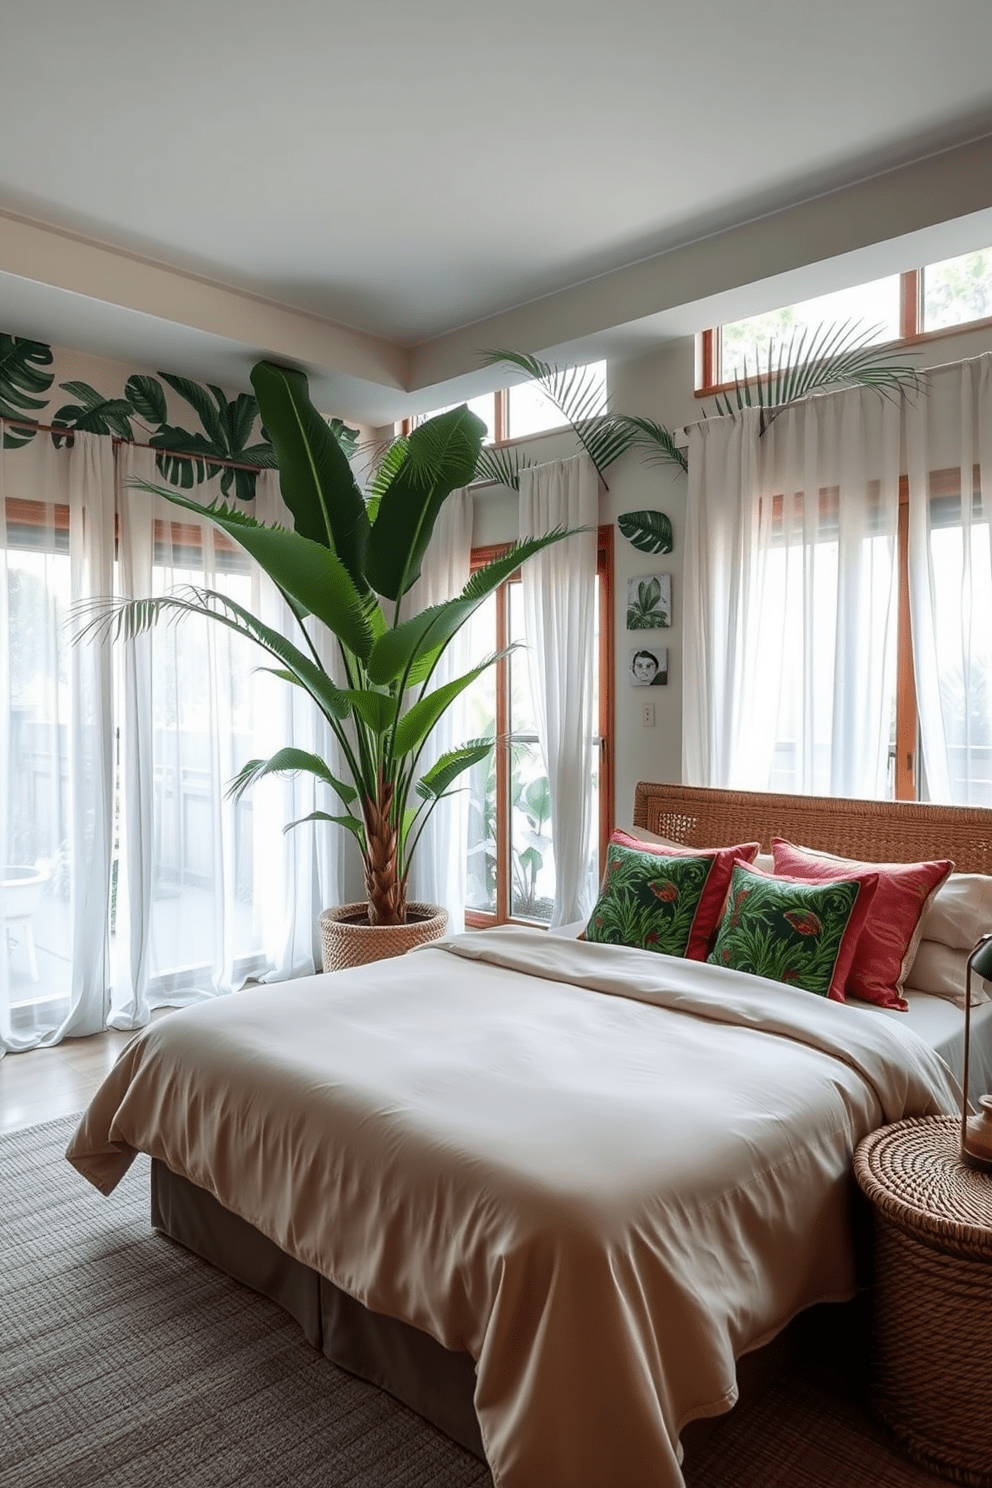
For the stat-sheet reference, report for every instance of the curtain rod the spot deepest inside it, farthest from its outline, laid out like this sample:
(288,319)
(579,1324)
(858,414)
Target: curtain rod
(117,441)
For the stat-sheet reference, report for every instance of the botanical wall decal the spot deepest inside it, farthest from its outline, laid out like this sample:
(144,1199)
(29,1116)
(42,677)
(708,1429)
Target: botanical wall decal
(22,382)
(220,428)
(650,531)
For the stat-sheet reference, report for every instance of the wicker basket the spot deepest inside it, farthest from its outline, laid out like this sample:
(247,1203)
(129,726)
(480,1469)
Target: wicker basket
(932,1295)
(347,939)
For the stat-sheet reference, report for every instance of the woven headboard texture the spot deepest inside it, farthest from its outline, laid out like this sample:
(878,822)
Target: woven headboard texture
(874,831)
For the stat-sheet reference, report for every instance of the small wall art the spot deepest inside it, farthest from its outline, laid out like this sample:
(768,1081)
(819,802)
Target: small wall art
(647,666)
(651,531)
(649,602)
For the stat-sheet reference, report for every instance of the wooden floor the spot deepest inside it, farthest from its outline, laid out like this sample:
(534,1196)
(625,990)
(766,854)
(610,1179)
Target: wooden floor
(45,1083)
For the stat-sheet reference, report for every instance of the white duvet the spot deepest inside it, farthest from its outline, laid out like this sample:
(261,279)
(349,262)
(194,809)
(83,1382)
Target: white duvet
(605,1173)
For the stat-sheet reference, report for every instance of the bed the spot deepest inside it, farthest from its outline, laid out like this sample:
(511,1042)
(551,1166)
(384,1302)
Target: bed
(530,1184)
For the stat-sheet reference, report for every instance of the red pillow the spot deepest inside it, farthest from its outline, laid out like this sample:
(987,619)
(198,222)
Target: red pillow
(890,937)
(714,896)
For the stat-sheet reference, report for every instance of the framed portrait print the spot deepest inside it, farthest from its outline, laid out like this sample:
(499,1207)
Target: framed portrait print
(647,666)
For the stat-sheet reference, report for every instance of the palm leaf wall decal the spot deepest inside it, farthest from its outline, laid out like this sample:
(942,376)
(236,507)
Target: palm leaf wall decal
(650,531)
(93,414)
(227,425)
(22,382)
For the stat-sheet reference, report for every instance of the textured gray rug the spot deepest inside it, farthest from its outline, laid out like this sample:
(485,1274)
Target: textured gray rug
(127,1363)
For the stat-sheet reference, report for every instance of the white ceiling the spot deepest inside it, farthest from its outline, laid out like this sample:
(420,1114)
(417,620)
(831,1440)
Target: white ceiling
(396,174)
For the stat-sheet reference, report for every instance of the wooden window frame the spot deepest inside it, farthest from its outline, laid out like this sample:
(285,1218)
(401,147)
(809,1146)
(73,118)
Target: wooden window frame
(482,919)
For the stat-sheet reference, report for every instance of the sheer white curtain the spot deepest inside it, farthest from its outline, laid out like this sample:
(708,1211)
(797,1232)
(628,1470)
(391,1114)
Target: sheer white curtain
(790,598)
(949,458)
(438,870)
(559,592)
(56,741)
(192,876)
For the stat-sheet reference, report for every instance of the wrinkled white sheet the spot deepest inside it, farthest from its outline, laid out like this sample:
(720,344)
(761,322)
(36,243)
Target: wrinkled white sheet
(604,1198)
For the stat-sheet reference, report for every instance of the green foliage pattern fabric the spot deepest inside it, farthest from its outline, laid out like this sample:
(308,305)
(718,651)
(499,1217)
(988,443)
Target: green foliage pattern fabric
(648,901)
(788,932)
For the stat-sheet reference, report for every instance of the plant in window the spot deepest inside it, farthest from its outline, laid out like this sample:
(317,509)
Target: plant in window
(347,566)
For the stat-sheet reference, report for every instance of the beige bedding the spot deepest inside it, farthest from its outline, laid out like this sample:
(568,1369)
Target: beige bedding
(603,1198)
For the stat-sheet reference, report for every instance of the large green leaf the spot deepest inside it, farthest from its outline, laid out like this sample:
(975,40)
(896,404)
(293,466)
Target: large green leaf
(210,413)
(22,381)
(376,709)
(289,761)
(425,635)
(651,531)
(308,572)
(415,725)
(351,822)
(147,397)
(177,469)
(317,482)
(93,414)
(433,784)
(441,455)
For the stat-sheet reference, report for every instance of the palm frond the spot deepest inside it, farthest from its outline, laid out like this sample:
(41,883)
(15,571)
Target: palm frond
(502,465)
(124,619)
(815,359)
(578,396)
(654,439)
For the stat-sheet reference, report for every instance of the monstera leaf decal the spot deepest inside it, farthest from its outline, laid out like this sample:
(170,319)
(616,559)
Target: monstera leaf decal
(651,531)
(93,414)
(21,382)
(226,428)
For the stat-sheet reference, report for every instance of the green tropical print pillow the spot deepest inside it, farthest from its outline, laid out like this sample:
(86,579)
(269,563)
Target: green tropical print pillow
(648,901)
(788,932)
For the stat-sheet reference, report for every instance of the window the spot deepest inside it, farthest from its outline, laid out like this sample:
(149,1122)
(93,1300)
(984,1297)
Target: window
(518,412)
(745,342)
(36,927)
(905,307)
(510,866)
(957,291)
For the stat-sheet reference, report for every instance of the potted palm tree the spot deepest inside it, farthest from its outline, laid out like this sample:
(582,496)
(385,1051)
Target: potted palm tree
(347,566)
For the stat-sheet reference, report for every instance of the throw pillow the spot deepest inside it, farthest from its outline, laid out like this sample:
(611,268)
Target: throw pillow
(648,900)
(891,936)
(791,930)
(717,884)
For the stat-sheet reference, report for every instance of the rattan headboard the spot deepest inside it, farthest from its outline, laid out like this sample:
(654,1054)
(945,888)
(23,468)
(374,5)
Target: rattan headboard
(875,831)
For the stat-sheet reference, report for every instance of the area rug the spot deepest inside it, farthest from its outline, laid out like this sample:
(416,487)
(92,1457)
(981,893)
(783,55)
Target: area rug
(125,1362)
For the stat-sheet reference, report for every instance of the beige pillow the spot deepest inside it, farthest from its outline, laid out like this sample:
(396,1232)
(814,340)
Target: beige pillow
(643,835)
(764,861)
(956,918)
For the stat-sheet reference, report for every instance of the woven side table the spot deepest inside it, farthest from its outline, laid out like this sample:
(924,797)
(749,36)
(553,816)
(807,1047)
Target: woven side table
(931,1295)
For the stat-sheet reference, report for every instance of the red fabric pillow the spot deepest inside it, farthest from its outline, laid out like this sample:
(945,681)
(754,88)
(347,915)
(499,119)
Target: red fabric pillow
(891,935)
(714,895)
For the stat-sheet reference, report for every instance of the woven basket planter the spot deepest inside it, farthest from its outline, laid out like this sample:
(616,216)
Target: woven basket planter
(347,938)
(932,1295)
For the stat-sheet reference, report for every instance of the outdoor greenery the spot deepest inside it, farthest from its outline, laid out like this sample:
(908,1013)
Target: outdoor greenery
(347,567)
